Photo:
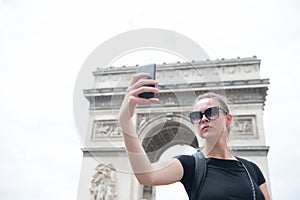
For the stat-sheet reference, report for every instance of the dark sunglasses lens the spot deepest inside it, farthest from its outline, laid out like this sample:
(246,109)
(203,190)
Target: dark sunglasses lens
(212,113)
(196,117)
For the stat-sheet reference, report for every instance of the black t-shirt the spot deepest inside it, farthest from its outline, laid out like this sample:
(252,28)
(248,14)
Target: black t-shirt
(225,179)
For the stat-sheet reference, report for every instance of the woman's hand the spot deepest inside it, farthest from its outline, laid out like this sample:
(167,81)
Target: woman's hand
(131,99)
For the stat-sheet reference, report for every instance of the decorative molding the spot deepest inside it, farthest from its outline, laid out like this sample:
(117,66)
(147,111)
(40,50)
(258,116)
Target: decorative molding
(108,91)
(183,97)
(232,62)
(184,72)
(114,151)
(103,183)
(250,150)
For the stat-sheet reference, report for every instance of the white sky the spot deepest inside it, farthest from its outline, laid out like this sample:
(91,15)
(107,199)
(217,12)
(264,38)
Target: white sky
(44,43)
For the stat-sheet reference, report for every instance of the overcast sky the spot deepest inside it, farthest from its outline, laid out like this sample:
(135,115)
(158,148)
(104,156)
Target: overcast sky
(43,44)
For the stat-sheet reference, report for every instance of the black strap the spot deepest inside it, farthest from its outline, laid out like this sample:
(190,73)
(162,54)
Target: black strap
(199,176)
(250,168)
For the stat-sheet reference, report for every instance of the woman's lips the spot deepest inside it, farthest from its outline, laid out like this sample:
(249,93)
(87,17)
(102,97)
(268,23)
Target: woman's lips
(205,127)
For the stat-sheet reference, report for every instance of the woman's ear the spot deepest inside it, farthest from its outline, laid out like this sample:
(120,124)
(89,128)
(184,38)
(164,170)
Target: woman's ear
(229,119)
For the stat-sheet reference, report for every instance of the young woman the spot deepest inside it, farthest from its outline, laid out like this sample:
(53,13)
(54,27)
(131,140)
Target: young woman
(226,176)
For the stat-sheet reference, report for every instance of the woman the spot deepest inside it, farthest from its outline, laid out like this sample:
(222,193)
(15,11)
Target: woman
(226,176)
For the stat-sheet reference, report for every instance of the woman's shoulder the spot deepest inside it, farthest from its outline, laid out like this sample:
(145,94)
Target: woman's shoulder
(186,159)
(248,163)
(254,170)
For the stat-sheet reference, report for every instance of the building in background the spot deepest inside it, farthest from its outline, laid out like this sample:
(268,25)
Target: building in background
(106,173)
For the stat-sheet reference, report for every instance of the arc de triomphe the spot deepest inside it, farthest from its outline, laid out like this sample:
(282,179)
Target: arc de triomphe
(106,173)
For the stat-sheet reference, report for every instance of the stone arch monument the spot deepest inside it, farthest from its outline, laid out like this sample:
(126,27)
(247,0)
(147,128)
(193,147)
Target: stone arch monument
(166,124)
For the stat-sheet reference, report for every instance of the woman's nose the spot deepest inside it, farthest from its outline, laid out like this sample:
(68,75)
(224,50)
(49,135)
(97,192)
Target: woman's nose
(204,119)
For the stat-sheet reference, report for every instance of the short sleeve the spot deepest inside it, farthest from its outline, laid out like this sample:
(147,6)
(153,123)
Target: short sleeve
(260,177)
(188,164)
(255,171)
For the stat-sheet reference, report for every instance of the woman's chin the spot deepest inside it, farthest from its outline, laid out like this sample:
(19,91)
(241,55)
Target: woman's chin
(209,136)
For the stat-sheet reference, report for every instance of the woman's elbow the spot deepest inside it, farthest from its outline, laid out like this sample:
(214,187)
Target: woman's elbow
(145,179)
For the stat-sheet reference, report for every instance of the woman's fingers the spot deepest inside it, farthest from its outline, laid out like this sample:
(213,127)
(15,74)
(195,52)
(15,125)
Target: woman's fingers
(136,77)
(138,100)
(142,89)
(143,82)
(138,86)
(137,83)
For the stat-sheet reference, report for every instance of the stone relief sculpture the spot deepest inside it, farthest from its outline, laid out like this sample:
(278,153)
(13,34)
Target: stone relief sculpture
(106,129)
(104,183)
(243,126)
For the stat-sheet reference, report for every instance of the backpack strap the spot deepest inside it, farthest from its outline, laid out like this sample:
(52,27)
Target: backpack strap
(199,175)
(250,168)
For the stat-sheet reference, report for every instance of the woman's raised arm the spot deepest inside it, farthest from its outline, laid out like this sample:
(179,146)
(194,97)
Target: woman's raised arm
(147,173)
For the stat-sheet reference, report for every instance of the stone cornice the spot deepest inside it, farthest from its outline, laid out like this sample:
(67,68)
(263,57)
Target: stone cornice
(250,150)
(236,84)
(182,65)
(184,95)
(90,152)
(202,72)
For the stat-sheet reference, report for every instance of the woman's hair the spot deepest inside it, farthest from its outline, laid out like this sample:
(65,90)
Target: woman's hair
(221,99)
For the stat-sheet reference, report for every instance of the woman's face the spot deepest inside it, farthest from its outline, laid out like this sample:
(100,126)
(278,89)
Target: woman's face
(212,130)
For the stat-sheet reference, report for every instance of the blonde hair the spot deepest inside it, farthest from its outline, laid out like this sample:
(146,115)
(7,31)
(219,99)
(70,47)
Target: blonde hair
(211,95)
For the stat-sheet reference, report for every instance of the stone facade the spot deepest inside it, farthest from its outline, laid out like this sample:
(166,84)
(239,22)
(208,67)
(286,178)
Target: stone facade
(166,124)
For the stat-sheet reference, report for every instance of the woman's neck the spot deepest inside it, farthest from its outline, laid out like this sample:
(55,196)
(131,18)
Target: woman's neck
(219,150)
(226,154)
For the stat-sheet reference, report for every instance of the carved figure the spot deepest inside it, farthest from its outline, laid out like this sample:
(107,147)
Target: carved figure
(103,183)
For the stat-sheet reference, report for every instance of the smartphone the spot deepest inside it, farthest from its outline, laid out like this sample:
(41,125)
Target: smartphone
(150,69)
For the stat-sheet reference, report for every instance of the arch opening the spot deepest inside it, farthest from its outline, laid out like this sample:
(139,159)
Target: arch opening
(172,139)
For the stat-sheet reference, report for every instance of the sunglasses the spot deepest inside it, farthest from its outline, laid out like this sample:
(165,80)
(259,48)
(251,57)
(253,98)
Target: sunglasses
(210,113)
